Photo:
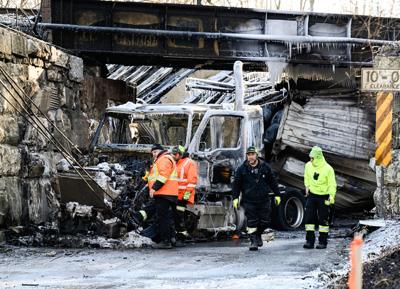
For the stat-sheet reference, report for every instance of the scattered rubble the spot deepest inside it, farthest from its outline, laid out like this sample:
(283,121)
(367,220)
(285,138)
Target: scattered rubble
(81,225)
(75,209)
(109,233)
(383,273)
(50,237)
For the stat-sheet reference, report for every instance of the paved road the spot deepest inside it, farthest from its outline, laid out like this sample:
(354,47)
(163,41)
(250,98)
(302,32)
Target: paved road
(282,263)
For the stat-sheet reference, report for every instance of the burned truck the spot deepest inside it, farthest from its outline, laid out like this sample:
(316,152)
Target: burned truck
(216,137)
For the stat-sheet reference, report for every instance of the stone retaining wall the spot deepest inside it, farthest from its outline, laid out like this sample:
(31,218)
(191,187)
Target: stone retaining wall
(55,81)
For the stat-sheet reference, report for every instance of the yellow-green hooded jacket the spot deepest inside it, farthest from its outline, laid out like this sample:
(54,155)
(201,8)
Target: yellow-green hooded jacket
(319,176)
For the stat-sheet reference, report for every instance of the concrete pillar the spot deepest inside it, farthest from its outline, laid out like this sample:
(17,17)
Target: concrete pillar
(387,194)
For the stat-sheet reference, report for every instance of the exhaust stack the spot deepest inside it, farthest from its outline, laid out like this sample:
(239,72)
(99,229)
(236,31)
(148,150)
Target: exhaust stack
(239,85)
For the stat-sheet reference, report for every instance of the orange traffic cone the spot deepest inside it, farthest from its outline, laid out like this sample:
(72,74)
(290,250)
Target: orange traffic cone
(356,271)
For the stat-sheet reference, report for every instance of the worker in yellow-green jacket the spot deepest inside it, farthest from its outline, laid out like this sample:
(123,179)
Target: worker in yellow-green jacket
(320,183)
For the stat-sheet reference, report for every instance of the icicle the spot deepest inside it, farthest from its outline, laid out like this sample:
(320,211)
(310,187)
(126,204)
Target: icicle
(333,68)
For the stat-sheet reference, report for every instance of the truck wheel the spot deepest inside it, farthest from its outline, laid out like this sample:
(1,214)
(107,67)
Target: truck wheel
(290,213)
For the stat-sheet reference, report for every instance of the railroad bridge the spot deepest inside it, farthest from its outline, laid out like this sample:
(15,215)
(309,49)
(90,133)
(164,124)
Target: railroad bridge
(132,33)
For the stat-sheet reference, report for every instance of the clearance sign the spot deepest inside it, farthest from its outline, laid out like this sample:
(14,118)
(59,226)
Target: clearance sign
(384,82)
(380,79)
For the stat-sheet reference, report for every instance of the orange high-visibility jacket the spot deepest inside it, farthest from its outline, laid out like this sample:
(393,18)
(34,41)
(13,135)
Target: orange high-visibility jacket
(164,170)
(187,178)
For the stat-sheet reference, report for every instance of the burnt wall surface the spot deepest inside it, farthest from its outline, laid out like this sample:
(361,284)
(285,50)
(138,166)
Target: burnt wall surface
(33,70)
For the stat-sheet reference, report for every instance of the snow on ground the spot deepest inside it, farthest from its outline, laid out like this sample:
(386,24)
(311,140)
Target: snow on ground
(280,264)
(376,245)
(382,240)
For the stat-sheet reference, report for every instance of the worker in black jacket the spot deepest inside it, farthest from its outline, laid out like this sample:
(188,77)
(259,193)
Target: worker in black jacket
(255,179)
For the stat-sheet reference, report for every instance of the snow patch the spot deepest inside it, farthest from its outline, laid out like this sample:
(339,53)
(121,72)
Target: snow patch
(134,240)
(75,209)
(382,240)
(130,241)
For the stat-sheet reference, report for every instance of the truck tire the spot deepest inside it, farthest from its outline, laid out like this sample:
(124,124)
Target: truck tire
(289,215)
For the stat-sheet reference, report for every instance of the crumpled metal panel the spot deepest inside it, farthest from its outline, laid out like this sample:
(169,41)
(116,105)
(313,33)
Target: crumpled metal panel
(352,195)
(338,125)
(343,126)
(151,83)
(74,189)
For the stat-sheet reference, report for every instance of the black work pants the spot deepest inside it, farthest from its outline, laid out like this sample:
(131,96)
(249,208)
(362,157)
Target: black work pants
(258,216)
(317,213)
(150,208)
(164,208)
(179,217)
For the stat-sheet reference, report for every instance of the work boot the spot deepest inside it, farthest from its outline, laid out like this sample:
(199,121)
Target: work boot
(322,240)
(179,243)
(180,240)
(162,245)
(259,240)
(308,245)
(137,218)
(310,240)
(253,243)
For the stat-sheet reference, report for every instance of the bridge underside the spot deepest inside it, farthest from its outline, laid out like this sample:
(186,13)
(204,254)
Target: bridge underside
(213,37)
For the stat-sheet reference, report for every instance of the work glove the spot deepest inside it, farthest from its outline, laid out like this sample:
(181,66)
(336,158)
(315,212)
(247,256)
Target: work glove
(146,176)
(330,201)
(186,196)
(236,203)
(277,200)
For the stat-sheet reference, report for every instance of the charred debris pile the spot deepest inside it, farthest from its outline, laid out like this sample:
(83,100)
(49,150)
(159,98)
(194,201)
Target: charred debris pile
(105,225)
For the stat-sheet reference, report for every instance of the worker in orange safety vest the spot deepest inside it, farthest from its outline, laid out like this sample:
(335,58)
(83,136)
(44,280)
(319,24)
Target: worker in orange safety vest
(187,180)
(163,187)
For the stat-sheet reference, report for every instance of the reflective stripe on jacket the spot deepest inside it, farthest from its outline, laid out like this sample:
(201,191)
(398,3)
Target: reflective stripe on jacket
(187,178)
(164,171)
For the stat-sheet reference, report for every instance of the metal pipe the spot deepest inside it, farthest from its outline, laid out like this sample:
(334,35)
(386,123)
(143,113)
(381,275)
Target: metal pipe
(239,85)
(215,35)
